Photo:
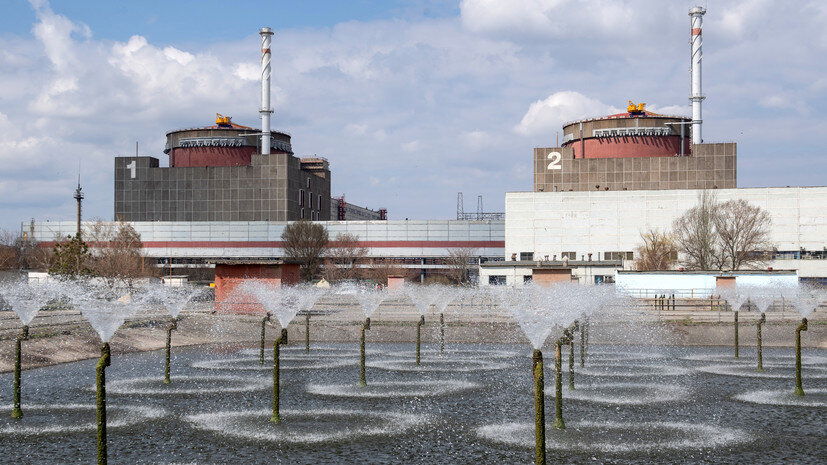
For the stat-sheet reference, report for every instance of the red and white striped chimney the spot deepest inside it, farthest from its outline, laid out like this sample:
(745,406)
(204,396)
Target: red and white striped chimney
(696,15)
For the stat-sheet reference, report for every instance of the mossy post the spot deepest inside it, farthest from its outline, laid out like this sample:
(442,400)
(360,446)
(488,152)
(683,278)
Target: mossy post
(105,361)
(282,339)
(558,384)
(539,408)
(760,352)
(441,333)
(799,390)
(261,350)
(736,333)
(365,326)
(172,327)
(571,363)
(24,335)
(418,331)
(307,332)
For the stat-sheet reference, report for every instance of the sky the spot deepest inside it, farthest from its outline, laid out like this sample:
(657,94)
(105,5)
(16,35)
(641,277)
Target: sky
(410,101)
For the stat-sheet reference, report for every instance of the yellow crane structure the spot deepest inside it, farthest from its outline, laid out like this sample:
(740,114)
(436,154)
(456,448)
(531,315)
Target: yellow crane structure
(638,109)
(222,120)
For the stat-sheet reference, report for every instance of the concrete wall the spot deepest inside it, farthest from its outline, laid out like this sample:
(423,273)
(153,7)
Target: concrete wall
(548,223)
(700,284)
(243,239)
(266,190)
(711,166)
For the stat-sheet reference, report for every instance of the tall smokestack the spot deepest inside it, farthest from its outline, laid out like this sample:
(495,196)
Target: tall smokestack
(696,16)
(265,110)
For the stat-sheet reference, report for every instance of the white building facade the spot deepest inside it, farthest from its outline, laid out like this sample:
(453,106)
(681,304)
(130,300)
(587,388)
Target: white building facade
(607,225)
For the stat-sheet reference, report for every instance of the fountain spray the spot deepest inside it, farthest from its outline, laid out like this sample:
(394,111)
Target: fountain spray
(539,408)
(263,325)
(365,326)
(307,332)
(799,390)
(558,380)
(172,327)
(281,340)
(105,361)
(418,331)
(441,333)
(736,333)
(761,321)
(24,335)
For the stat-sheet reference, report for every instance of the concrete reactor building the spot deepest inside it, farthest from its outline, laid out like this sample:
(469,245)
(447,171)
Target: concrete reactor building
(229,172)
(615,177)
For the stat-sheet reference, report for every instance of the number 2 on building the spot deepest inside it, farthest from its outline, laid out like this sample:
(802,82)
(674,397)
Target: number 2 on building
(555,158)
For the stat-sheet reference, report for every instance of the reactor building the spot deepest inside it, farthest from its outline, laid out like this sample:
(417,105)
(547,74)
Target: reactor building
(230,172)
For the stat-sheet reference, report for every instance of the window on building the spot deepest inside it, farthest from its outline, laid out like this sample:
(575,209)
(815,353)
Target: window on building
(496,280)
(527,279)
(301,197)
(320,203)
(309,200)
(302,213)
(308,183)
(526,256)
(631,256)
(569,255)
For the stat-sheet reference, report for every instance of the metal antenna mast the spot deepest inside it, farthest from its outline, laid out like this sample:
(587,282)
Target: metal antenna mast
(79,197)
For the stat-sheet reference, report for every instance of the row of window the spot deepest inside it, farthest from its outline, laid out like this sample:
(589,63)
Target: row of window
(528,256)
(314,216)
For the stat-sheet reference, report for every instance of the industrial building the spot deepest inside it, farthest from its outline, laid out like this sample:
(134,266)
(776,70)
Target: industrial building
(421,247)
(615,177)
(229,172)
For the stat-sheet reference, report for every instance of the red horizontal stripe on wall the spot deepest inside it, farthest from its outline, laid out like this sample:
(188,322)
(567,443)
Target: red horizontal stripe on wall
(278,244)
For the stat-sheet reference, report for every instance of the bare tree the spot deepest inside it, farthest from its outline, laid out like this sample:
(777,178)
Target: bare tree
(8,250)
(658,252)
(117,253)
(697,239)
(379,270)
(457,262)
(305,242)
(343,258)
(744,232)
(17,252)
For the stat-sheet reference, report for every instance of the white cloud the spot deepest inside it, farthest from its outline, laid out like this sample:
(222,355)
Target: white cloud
(467,97)
(549,114)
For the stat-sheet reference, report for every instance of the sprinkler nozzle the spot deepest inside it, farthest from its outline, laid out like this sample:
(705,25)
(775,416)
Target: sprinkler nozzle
(421,320)
(283,337)
(24,333)
(367,323)
(763,318)
(802,326)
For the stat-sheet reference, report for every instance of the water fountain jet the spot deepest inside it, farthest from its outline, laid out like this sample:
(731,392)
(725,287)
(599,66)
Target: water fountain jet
(799,390)
(369,299)
(419,325)
(264,322)
(539,408)
(24,335)
(761,321)
(365,326)
(558,380)
(173,325)
(281,340)
(100,369)
(26,301)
